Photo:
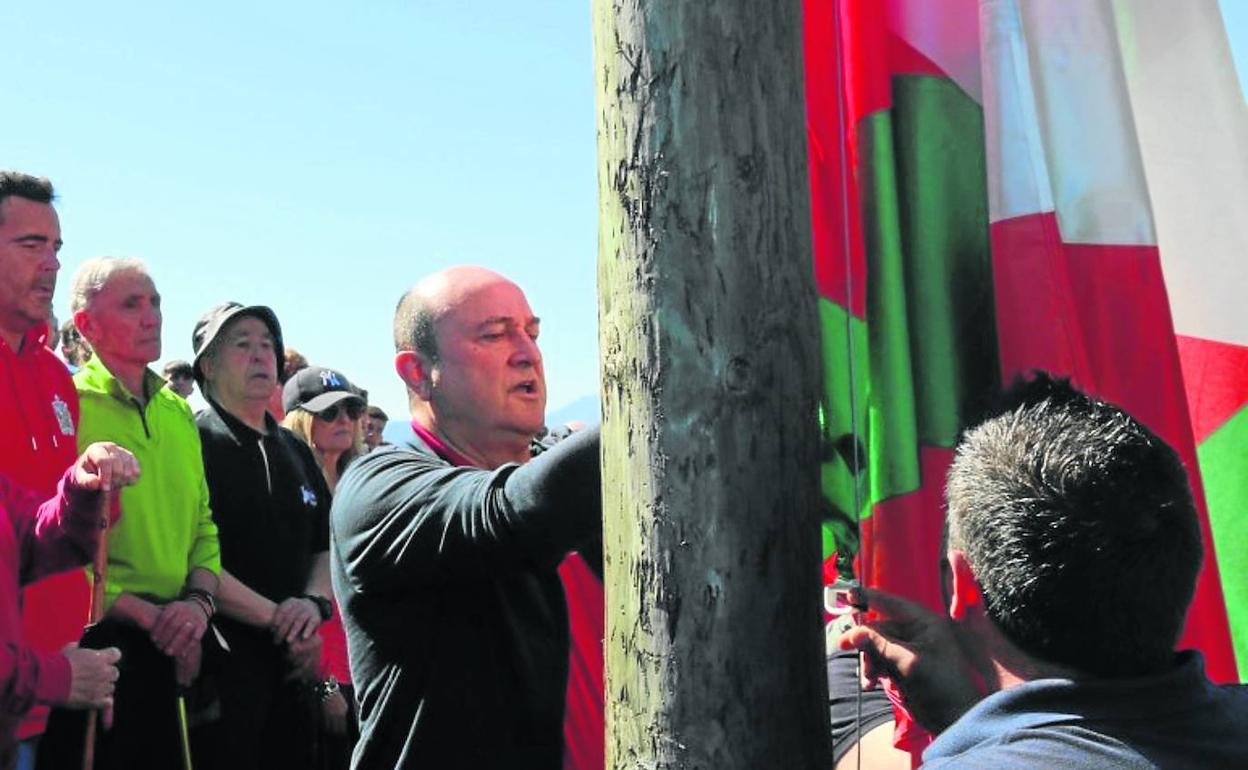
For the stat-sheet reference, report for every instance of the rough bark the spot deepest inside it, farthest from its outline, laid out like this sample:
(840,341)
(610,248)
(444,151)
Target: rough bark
(710,377)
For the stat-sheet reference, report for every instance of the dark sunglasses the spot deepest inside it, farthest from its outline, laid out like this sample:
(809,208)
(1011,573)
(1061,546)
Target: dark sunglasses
(330,413)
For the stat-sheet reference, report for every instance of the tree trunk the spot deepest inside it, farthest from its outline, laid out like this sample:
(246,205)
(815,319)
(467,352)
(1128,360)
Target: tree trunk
(710,378)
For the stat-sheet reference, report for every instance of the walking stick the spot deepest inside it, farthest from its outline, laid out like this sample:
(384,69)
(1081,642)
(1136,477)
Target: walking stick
(99,569)
(184,732)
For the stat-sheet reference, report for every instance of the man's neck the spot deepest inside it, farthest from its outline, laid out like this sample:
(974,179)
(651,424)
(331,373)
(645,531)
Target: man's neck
(249,412)
(1012,666)
(13,338)
(1013,672)
(487,454)
(132,376)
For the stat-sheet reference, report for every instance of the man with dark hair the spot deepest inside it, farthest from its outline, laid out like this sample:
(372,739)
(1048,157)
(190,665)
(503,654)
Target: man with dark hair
(180,376)
(74,349)
(38,405)
(446,548)
(271,505)
(1072,554)
(374,423)
(292,362)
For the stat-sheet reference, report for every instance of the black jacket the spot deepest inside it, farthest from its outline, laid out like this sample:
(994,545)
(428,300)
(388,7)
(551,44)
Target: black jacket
(271,506)
(454,612)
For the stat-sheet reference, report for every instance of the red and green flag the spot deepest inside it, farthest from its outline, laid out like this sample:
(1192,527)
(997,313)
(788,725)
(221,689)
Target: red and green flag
(984,178)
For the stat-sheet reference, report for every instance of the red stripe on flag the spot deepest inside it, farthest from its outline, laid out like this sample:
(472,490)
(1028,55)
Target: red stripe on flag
(1101,315)
(838,96)
(1035,312)
(904,59)
(1216,377)
(902,536)
(840,274)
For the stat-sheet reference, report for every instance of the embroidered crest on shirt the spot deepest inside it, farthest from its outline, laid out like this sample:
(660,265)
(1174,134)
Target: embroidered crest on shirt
(309,497)
(63,418)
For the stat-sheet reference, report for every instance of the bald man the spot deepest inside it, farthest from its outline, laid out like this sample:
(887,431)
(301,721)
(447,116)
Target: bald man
(445,548)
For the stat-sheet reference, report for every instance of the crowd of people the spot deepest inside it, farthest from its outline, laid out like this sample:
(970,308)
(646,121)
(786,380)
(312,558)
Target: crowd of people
(222,637)
(219,640)
(282,589)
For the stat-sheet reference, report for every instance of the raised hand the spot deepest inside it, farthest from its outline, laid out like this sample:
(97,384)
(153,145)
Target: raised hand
(104,466)
(919,651)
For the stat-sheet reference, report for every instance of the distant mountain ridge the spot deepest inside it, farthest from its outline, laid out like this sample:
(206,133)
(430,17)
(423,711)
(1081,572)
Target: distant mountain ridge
(586,409)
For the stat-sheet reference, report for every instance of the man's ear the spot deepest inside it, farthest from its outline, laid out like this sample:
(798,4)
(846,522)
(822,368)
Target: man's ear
(965,594)
(415,372)
(207,365)
(85,325)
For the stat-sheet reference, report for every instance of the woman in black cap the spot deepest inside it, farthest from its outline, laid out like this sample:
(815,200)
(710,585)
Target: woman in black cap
(324,409)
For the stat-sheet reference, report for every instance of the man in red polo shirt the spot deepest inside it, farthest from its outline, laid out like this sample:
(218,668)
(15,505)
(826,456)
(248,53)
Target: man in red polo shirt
(38,404)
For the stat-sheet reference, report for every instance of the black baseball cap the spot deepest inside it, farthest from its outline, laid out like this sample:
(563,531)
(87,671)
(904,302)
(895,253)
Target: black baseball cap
(210,325)
(315,389)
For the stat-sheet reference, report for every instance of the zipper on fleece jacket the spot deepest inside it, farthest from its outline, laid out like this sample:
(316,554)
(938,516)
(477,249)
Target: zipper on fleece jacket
(142,415)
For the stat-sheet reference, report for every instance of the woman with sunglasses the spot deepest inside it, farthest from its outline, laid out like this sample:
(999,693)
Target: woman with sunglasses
(324,409)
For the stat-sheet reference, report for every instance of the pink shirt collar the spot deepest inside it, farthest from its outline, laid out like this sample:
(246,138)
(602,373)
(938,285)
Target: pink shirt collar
(439,446)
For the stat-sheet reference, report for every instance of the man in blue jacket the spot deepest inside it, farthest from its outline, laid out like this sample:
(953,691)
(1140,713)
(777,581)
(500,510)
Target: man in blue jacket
(1071,559)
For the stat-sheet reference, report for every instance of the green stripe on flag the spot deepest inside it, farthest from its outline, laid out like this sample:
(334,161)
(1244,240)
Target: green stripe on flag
(840,334)
(925,359)
(892,435)
(1223,459)
(942,175)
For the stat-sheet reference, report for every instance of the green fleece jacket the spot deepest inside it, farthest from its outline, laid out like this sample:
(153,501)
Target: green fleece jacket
(166,528)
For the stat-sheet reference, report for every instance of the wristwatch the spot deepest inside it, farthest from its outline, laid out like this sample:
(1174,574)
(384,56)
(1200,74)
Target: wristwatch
(323,605)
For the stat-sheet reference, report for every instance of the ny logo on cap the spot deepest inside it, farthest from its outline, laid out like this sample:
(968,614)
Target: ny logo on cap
(331,379)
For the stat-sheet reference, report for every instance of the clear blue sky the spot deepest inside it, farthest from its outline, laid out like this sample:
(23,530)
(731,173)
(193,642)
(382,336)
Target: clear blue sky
(1235,16)
(320,157)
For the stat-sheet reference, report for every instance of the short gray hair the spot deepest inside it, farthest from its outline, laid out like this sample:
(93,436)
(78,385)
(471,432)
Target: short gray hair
(414,325)
(91,277)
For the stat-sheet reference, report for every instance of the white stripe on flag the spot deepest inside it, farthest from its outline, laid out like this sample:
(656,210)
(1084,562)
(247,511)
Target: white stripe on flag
(946,32)
(1193,132)
(1060,133)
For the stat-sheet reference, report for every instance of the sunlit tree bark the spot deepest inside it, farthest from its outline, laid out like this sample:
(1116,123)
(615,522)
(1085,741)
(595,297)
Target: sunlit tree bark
(710,374)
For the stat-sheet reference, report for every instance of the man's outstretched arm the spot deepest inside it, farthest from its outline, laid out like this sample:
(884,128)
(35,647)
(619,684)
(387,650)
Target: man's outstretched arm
(401,517)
